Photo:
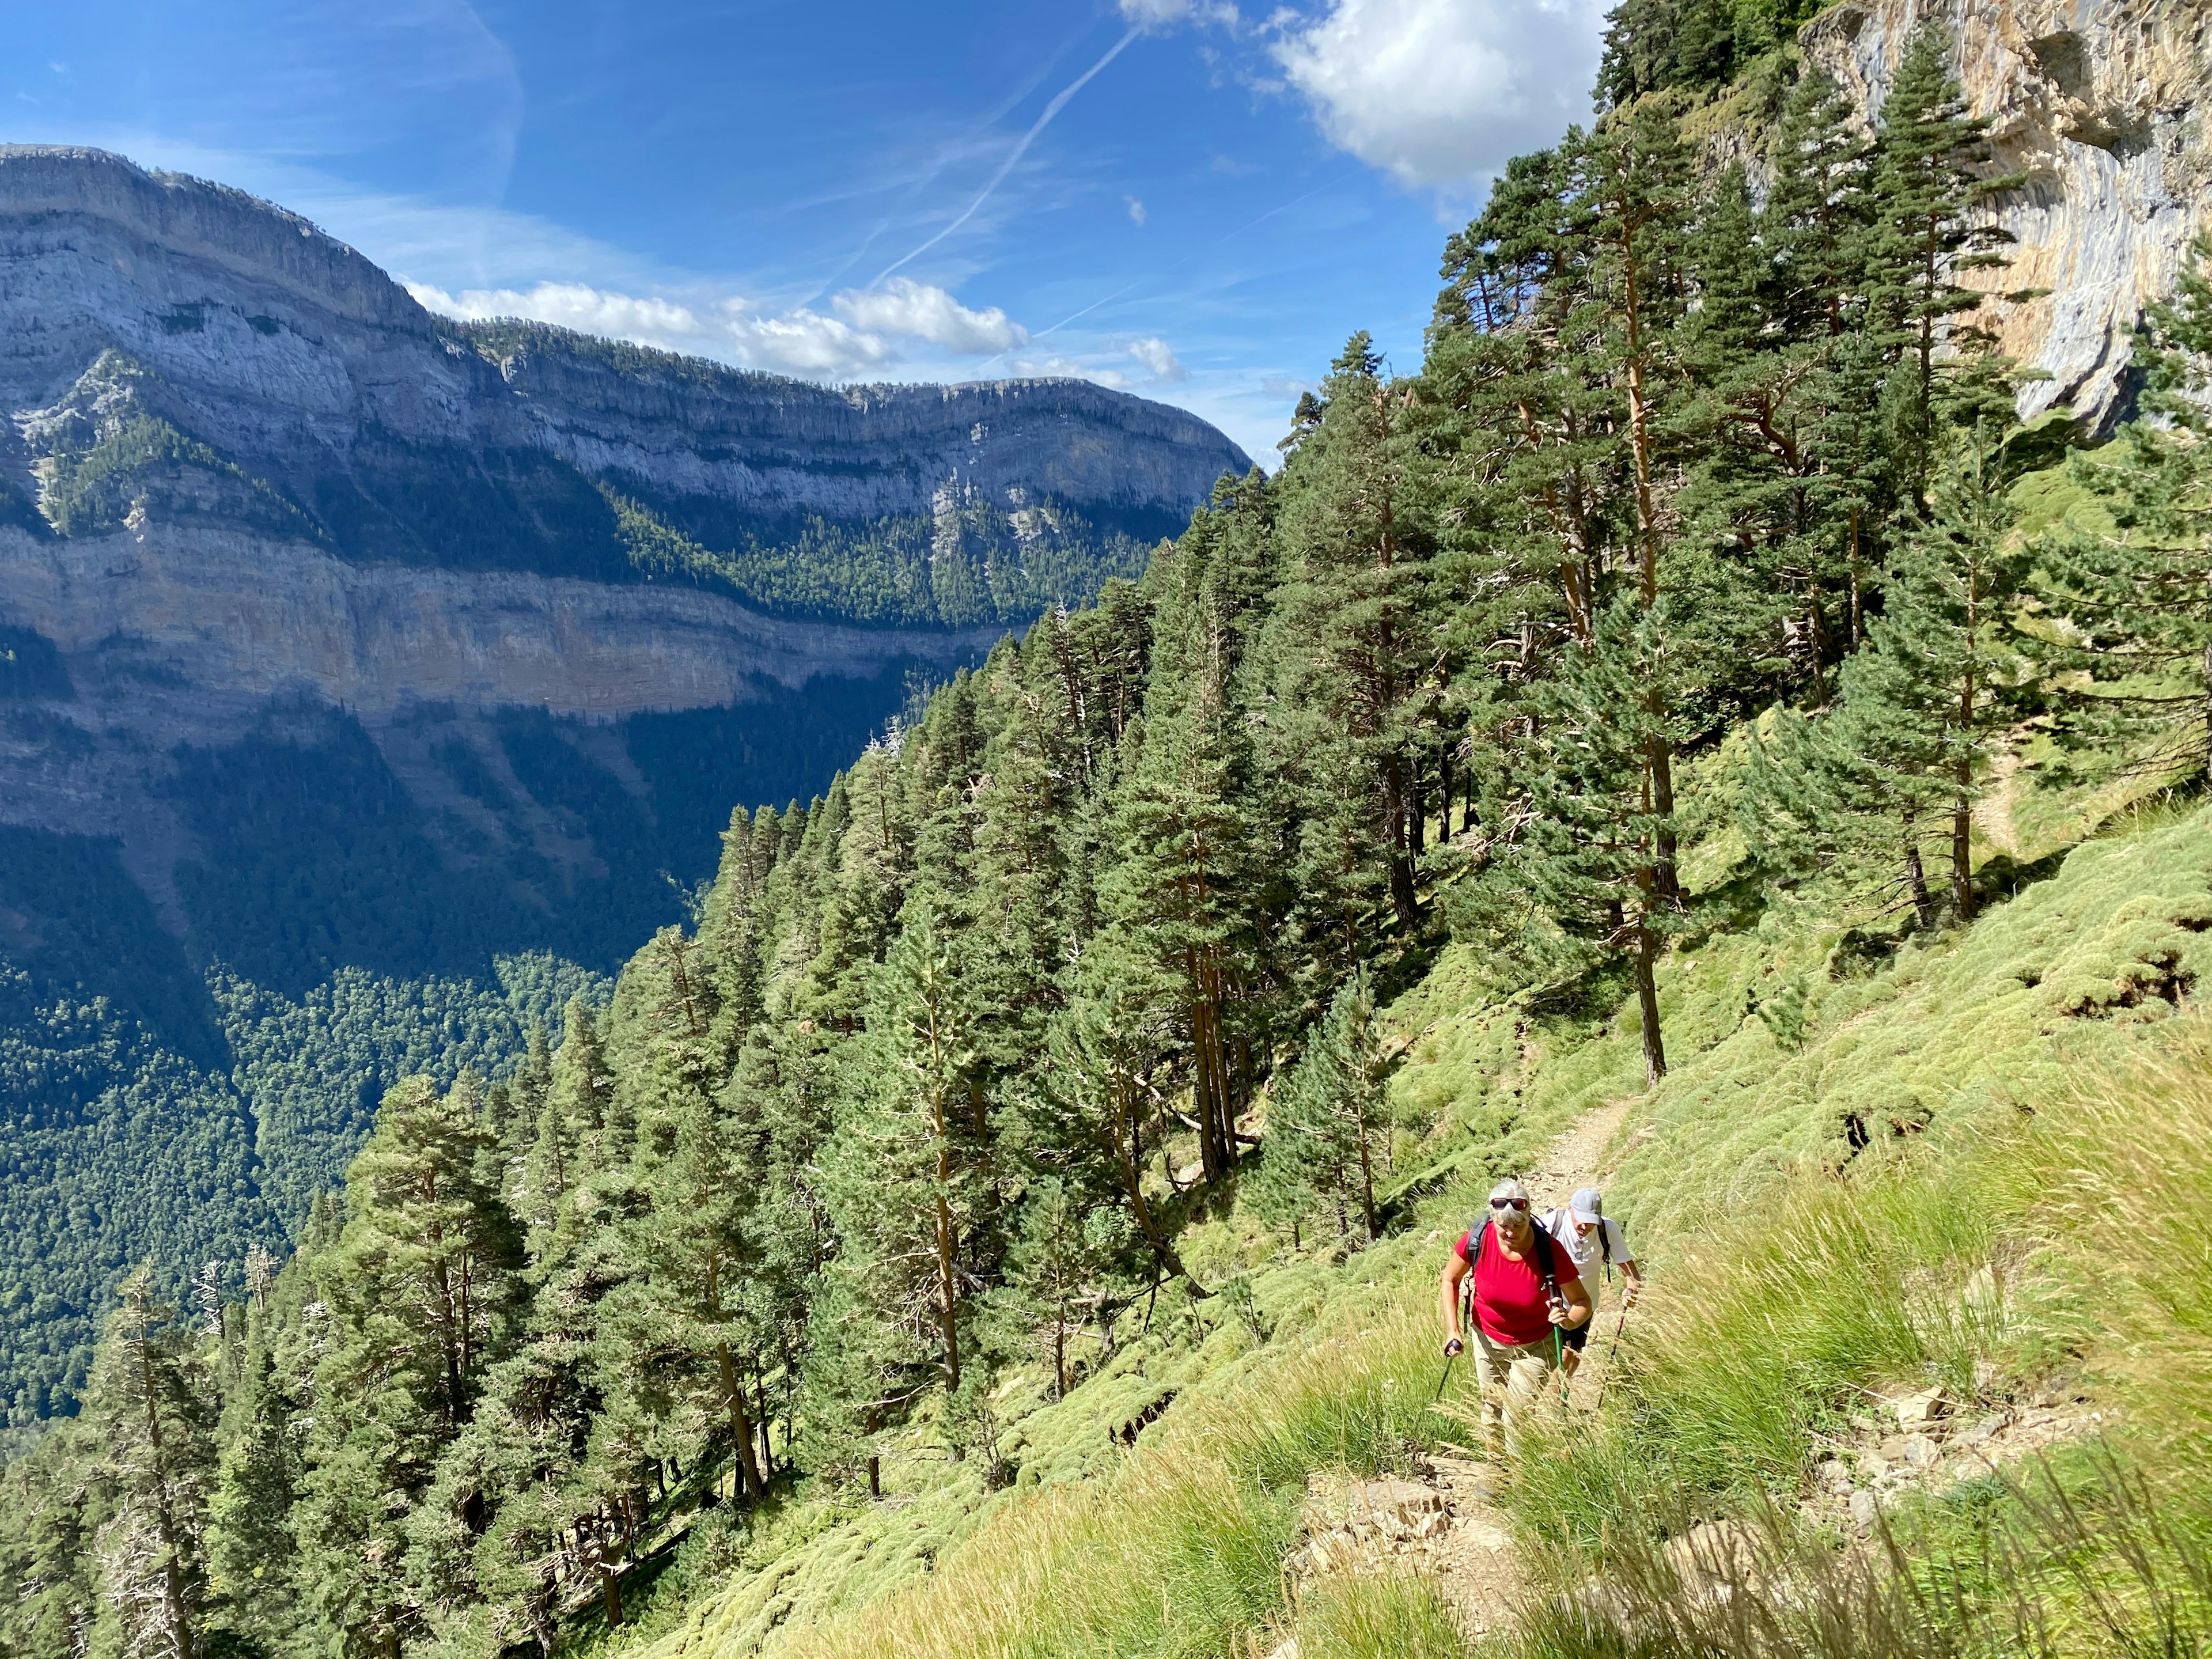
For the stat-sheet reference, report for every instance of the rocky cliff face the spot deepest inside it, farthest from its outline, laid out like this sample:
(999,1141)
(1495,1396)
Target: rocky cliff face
(2107,106)
(245,474)
(363,676)
(290,354)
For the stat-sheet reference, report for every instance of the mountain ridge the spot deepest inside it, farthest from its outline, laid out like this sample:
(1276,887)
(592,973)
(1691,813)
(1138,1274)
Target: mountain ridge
(350,656)
(295,357)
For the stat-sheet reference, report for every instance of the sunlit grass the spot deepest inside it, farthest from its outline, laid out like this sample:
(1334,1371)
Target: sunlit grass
(1180,1552)
(2031,1193)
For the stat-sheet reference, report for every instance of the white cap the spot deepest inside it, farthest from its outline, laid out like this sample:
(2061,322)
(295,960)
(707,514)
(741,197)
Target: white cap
(1585,1207)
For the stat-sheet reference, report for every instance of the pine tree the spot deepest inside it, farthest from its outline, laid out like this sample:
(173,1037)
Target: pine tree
(1926,705)
(2129,578)
(1932,228)
(1060,1268)
(47,1559)
(693,1321)
(420,1288)
(1350,642)
(251,1554)
(1815,221)
(148,1401)
(1178,895)
(1831,791)
(1751,488)
(526,1098)
(572,1115)
(1328,1127)
(1595,843)
(581,1089)
(1096,1083)
(906,1185)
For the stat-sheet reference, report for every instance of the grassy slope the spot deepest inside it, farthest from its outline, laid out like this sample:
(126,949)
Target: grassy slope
(1941,1051)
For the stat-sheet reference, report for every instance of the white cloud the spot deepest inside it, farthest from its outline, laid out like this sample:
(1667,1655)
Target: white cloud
(902,306)
(798,342)
(1136,210)
(1159,359)
(573,305)
(802,342)
(1167,14)
(1067,368)
(1439,93)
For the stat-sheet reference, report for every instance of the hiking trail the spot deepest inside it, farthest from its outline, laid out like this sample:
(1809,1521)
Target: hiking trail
(1447,1520)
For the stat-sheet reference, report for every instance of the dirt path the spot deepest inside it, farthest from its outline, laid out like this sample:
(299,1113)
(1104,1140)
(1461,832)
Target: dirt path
(1447,1521)
(1478,1566)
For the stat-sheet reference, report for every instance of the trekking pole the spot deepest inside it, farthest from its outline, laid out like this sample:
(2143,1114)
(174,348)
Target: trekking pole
(1606,1375)
(1445,1378)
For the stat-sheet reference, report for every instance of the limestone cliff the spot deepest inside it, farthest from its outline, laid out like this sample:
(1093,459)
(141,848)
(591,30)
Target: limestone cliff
(292,355)
(2107,106)
(248,487)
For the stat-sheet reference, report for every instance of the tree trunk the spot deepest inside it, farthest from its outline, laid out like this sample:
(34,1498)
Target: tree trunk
(1915,879)
(1217,1144)
(1659,757)
(2207,711)
(1128,1163)
(1366,1181)
(741,1430)
(1417,808)
(165,1520)
(760,1399)
(947,1285)
(1647,1003)
(1858,609)
(1962,871)
(1403,899)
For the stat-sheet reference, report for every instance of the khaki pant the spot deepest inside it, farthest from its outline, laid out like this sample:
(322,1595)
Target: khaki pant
(1515,1383)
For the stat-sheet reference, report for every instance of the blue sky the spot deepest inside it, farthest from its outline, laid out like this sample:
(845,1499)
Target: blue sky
(1184,198)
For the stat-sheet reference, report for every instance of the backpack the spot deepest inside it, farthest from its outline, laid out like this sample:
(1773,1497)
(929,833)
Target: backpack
(1544,1245)
(1604,1233)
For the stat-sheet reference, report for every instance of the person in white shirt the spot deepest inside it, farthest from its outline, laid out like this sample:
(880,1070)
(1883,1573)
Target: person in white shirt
(1597,1244)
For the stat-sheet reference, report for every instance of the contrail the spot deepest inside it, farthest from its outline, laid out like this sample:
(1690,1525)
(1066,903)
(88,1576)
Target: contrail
(1007,166)
(1283,207)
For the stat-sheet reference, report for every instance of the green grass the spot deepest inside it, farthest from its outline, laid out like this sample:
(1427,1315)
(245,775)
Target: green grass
(1373,1618)
(2079,1556)
(1169,1548)
(2005,1118)
(1955,1031)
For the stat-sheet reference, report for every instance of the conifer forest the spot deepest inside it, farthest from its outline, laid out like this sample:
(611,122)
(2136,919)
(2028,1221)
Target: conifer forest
(1700,522)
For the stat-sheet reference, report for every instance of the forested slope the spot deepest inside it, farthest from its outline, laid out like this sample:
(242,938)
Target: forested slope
(1690,684)
(347,653)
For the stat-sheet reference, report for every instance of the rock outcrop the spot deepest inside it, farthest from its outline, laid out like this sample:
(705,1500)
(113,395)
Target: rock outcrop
(292,355)
(2107,107)
(246,473)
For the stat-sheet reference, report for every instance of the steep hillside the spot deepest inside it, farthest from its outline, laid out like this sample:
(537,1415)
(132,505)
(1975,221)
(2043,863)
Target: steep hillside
(391,436)
(337,641)
(1322,1371)
(1690,734)
(2104,105)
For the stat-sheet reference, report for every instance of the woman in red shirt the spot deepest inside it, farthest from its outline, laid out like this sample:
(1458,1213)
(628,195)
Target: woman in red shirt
(1524,1291)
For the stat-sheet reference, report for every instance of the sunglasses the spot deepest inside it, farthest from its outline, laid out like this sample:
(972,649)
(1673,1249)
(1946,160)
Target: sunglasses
(1509,1203)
